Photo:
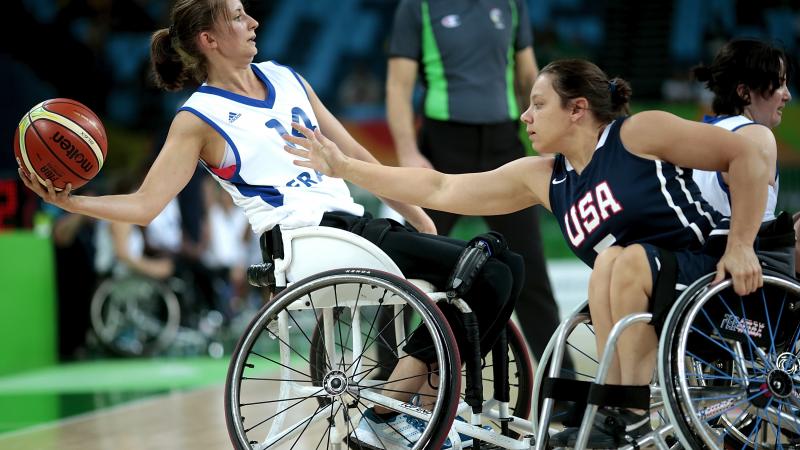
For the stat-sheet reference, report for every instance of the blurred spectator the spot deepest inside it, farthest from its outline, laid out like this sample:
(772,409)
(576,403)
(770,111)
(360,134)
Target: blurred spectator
(226,255)
(360,87)
(129,248)
(73,243)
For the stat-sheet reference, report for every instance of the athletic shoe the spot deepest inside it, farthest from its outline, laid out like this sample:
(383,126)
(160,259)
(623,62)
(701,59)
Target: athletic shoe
(612,428)
(398,433)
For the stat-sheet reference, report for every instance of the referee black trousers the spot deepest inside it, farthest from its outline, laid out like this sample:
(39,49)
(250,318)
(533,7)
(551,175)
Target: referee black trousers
(462,148)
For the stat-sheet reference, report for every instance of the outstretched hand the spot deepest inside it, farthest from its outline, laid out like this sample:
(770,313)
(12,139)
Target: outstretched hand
(46,191)
(318,152)
(742,264)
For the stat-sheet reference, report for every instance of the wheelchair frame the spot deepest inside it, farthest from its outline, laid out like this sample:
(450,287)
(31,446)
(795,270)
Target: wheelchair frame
(336,248)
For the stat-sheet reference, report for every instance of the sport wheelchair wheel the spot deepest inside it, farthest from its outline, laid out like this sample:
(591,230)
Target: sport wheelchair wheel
(729,365)
(134,315)
(278,397)
(383,358)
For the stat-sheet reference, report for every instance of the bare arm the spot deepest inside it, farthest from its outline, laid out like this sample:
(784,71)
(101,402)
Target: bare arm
(509,188)
(762,137)
(169,174)
(400,81)
(67,227)
(160,268)
(526,74)
(685,143)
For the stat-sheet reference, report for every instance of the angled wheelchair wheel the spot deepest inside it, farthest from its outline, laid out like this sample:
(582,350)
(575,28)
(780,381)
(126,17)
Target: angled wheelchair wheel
(729,365)
(579,343)
(134,316)
(381,361)
(280,393)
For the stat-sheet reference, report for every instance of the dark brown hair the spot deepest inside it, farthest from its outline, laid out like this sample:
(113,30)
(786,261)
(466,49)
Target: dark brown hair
(572,78)
(749,62)
(174,55)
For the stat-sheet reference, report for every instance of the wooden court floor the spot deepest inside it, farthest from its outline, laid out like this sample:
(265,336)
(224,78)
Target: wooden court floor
(183,420)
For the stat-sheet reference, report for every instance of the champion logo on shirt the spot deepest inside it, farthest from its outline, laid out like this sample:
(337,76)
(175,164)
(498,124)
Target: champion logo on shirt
(497,18)
(232,116)
(451,21)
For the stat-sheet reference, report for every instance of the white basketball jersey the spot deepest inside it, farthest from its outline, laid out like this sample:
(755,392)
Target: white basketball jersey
(257,172)
(713,187)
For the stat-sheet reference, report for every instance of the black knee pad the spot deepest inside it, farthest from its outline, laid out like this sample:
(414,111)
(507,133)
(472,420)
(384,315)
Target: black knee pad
(472,260)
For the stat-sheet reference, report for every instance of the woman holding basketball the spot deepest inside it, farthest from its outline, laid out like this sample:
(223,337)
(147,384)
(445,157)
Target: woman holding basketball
(233,125)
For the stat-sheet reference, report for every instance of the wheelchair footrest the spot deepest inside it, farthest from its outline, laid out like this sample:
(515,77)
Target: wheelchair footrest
(566,389)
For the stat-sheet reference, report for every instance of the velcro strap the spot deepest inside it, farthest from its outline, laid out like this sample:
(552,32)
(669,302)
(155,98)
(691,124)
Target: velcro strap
(621,396)
(664,290)
(566,389)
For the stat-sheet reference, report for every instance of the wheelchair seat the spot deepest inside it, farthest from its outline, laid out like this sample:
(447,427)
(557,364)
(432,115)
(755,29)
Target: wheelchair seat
(311,250)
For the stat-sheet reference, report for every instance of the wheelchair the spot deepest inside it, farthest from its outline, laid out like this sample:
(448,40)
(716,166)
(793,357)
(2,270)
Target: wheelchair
(320,352)
(135,315)
(728,375)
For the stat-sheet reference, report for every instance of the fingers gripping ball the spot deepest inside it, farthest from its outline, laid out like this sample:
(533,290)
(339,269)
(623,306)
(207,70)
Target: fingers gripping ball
(61,140)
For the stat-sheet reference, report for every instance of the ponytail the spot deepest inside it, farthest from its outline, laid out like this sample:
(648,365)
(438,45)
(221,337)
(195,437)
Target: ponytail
(168,69)
(620,96)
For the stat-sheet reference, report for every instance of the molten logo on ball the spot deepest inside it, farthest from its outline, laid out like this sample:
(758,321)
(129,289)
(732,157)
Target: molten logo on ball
(60,140)
(72,153)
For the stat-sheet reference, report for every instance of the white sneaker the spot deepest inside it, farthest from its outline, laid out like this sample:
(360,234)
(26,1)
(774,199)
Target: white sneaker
(398,433)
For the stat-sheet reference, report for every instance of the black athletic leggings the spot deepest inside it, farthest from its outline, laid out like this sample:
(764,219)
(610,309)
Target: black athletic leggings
(432,258)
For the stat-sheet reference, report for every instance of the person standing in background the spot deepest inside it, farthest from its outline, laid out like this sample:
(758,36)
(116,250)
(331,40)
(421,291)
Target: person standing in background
(477,64)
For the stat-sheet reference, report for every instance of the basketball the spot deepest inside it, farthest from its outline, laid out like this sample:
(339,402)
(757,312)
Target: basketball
(61,140)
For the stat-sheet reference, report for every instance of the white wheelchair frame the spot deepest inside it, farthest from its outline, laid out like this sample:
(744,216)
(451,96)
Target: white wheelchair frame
(338,249)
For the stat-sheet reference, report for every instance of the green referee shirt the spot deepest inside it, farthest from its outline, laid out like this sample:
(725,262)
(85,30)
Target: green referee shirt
(466,53)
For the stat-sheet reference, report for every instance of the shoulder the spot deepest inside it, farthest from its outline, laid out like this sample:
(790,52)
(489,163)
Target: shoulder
(529,169)
(536,163)
(648,119)
(758,133)
(534,172)
(190,126)
(649,125)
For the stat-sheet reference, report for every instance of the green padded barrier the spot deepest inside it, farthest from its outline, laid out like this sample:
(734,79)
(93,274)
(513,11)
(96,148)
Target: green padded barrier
(27,302)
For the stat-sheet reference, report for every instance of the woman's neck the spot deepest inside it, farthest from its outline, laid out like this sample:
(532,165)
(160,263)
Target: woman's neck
(240,80)
(583,144)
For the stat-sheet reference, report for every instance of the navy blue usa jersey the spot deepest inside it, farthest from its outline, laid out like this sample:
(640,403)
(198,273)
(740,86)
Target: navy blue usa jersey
(622,199)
